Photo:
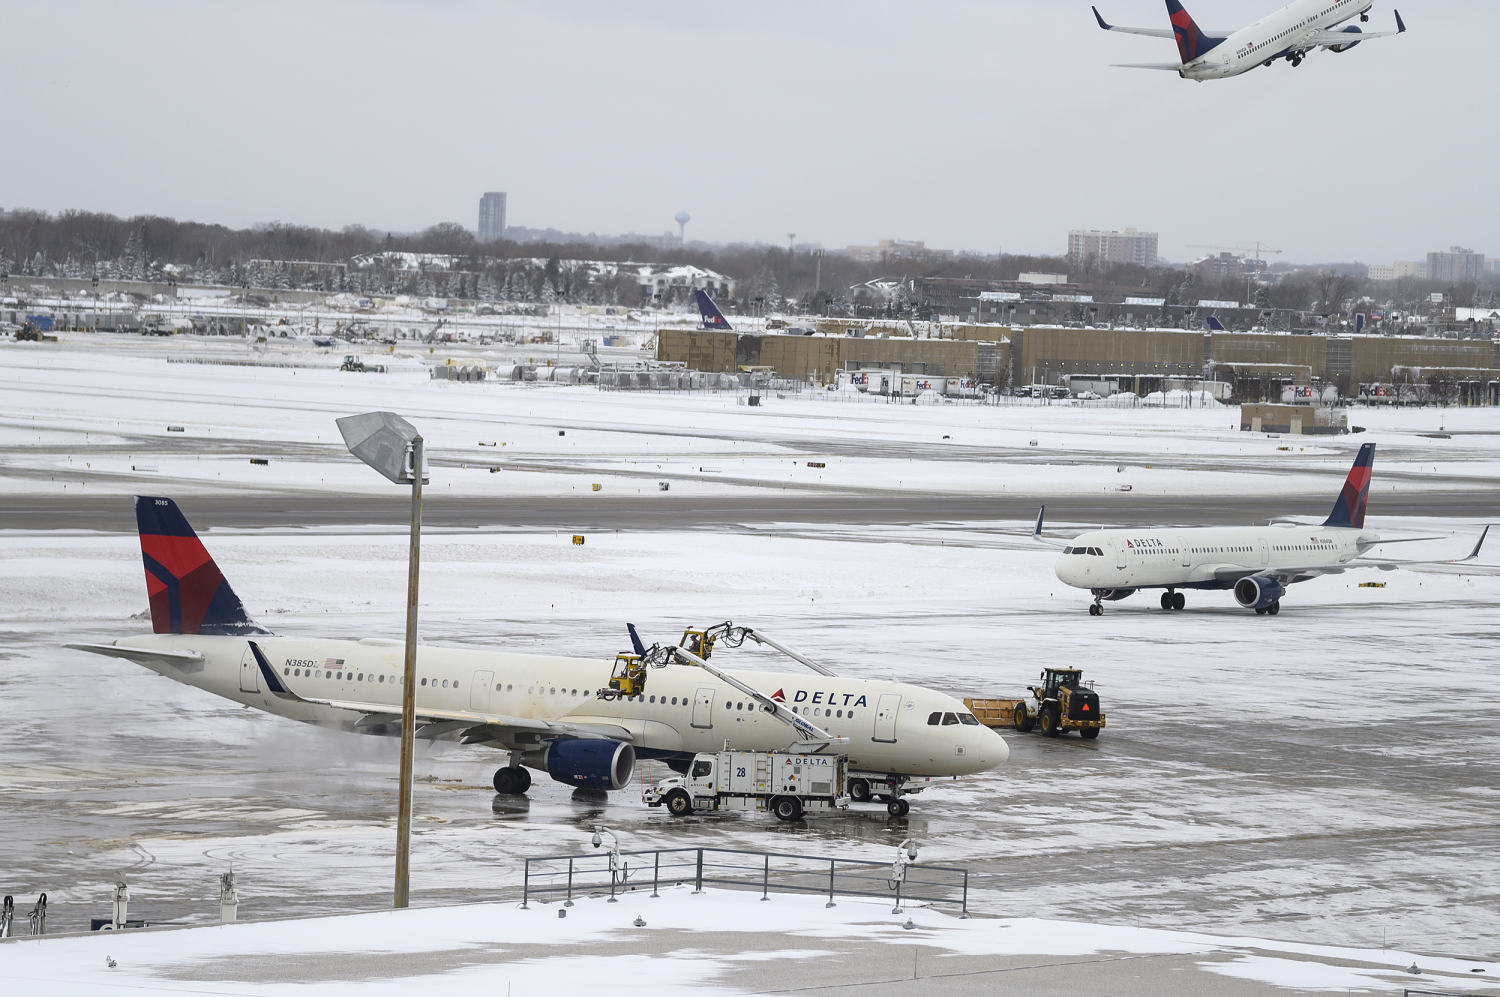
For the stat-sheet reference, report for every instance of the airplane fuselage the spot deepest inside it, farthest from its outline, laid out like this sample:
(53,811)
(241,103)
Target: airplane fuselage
(682,711)
(1195,557)
(1281,33)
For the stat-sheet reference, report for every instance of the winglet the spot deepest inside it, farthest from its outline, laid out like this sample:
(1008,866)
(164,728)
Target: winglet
(1214,325)
(274,685)
(1037,533)
(1475,552)
(1105,24)
(1400,24)
(635,640)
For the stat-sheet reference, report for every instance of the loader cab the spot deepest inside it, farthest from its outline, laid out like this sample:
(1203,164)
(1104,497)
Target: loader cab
(1053,679)
(627,678)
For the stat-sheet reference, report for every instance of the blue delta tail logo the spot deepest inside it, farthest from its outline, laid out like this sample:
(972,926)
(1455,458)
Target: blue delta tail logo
(188,593)
(712,317)
(1349,510)
(1191,42)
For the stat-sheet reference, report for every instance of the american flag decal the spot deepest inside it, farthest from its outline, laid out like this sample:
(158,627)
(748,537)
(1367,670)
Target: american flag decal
(333,662)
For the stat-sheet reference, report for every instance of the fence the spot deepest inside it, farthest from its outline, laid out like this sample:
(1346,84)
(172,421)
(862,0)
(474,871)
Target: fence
(560,877)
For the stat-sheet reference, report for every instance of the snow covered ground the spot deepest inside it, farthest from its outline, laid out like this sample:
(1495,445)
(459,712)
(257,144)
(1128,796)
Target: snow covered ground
(1329,774)
(686,943)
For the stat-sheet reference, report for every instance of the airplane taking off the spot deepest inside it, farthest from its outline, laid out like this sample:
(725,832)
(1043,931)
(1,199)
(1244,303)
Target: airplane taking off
(712,317)
(549,713)
(1256,562)
(1290,33)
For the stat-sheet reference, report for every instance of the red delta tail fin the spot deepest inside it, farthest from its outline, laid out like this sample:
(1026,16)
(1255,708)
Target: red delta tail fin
(1191,42)
(188,593)
(1349,510)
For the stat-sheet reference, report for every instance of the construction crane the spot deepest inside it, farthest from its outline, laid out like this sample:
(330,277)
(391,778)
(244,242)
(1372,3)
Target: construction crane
(1258,249)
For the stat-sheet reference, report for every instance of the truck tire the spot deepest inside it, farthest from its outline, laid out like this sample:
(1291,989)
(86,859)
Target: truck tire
(1051,721)
(787,808)
(679,803)
(859,790)
(1024,721)
(1089,733)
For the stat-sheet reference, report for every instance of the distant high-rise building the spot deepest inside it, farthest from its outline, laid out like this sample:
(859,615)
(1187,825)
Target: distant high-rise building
(1455,266)
(492,216)
(1128,246)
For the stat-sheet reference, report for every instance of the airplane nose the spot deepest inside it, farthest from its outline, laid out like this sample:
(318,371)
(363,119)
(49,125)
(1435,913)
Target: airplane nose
(993,750)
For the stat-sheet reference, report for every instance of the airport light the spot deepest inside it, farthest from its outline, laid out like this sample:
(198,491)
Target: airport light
(393,447)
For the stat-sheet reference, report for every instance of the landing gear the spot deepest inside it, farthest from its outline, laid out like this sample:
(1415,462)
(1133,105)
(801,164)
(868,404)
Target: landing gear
(1097,607)
(1365,16)
(1270,610)
(898,807)
(1296,61)
(859,790)
(1173,601)
(512,780)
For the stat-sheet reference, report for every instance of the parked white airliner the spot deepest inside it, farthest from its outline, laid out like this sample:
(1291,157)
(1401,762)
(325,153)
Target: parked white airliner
(1290,33)
(1257,562)
(544,711)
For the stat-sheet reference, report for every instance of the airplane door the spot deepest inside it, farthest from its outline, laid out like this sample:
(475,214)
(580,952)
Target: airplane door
(1185,557)
(479,691)
(885,717)
(703,708)
(1120,554)
(1265,553)
(249,673)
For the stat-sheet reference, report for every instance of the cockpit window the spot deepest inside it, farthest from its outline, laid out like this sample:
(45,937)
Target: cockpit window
(949,719)
(968,719)
(933,719)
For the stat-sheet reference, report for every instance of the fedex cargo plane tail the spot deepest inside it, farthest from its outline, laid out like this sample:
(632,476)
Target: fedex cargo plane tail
(189,595)
(1349,510)
(712,317)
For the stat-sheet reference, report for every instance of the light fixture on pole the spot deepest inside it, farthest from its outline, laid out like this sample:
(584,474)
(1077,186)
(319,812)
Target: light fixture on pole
(393,447)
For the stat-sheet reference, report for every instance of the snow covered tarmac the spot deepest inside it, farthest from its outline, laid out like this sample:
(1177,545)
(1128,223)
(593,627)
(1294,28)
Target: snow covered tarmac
(1328,774)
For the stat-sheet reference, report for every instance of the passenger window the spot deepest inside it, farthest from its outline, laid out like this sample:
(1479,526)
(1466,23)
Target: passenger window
(424,681)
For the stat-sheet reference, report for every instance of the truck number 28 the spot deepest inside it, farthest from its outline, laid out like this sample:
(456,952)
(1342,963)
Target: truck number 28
(740,772)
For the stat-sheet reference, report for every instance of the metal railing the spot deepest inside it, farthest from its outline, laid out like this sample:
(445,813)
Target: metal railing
(561,877)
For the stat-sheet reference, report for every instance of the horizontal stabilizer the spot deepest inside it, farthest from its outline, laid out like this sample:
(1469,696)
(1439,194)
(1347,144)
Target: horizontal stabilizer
(184,661)
(1170,67)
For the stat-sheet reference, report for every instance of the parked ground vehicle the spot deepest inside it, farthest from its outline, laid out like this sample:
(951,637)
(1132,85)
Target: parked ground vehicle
(355,363)
(1062,702)
(786,783)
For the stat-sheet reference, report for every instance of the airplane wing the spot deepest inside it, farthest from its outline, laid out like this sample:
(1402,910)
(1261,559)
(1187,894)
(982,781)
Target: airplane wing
(1150,32)
(183,661)
(1036,534)
(1351,35)
(1288,573)
(1170,67)
(472,725)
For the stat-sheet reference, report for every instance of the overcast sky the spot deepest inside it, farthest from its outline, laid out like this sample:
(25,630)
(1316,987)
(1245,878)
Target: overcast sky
(987,125)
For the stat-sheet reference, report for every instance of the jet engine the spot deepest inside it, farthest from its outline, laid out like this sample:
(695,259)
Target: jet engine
(1114,595)
(1352,29)
(587,764)
(1258,591)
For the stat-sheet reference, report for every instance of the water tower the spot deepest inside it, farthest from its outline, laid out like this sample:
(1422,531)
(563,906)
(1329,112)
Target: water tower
(682,218)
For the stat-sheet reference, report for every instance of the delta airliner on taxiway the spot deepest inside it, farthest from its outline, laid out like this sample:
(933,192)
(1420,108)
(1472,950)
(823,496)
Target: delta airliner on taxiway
(543,710)
(1257,562)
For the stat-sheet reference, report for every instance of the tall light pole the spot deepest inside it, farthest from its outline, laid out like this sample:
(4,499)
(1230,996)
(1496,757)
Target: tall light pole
(393,447)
